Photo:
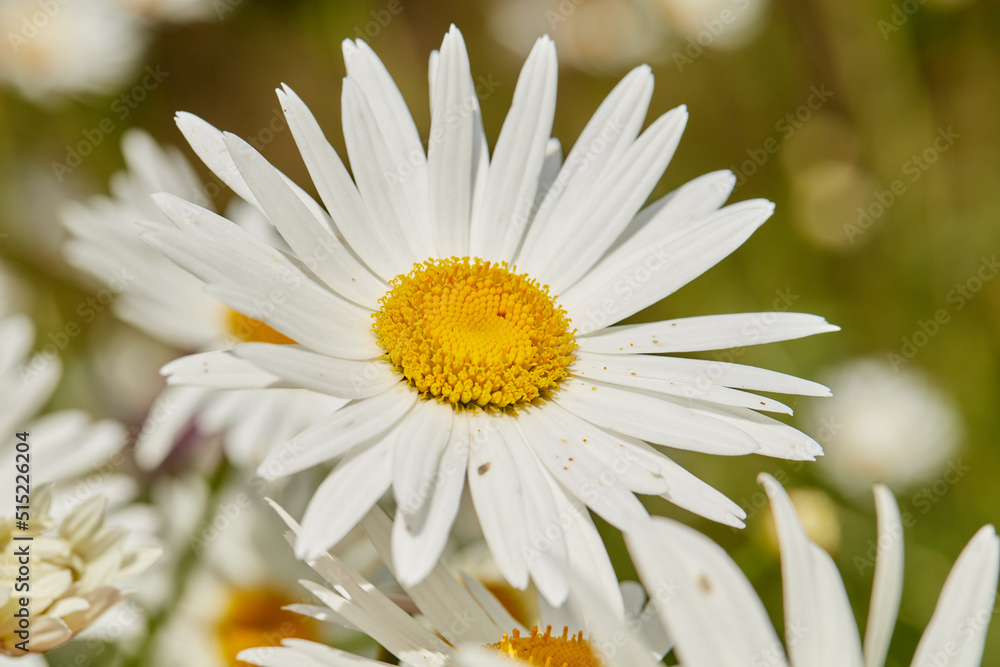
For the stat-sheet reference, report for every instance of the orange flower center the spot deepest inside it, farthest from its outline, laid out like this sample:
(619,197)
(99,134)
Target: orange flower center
(249,330)
(255,618)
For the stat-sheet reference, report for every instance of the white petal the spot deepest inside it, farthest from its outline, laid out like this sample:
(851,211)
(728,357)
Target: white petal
(887,584)
(588,556)
(498,497)
(337,190)
(381,179)
(438,594)
(366,607)
(415,462)
(820,629)
(157,168)
(774,438)
(71,444)
(308,236)
(652,418)
(679,211)
(965,608)
(172,413)
(343,378)
(344,497)
(16,336)
(608,134)
(207,143)
(432,70)
(647,372)
(314,318)
(490,604)
(268,285)
(608,208)
(704,371)
(499,221)
(678,485)
(293,655)
(420,538)
(217,370)
(389,118)
(24,395)
(708,332)
(705,601)
(550,170)
(339,433)
(563,444)
(546,556)
(456,136)
(640,278)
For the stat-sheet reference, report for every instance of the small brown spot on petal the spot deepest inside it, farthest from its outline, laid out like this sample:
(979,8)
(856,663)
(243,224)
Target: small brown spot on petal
(705,583)
(483,469)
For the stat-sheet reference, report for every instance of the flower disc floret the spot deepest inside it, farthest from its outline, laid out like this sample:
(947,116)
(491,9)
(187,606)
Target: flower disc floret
(545,650)
(474,334)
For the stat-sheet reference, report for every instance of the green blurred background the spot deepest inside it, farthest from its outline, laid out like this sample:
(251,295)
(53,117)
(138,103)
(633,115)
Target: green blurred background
(893,77)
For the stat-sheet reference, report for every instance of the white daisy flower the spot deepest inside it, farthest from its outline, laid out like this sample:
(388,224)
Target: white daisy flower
(884,425)
(463,624)
(156,296)
(68,442)
(83,46)
(75,564)
(234,598)
(462,303)
(718,620)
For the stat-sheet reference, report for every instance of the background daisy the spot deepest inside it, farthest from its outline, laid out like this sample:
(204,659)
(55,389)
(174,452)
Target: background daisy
(169,305)
(717,619)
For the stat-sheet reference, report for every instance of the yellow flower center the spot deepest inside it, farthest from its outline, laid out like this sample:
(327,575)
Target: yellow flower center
(548,651)
(250,330)
(255,618)
(474,334)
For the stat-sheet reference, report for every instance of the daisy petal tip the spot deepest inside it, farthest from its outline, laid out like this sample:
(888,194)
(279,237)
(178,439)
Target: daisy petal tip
(263,472)
(283,515)
(767,481)
(252,656)
(307,550)
(987,536)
